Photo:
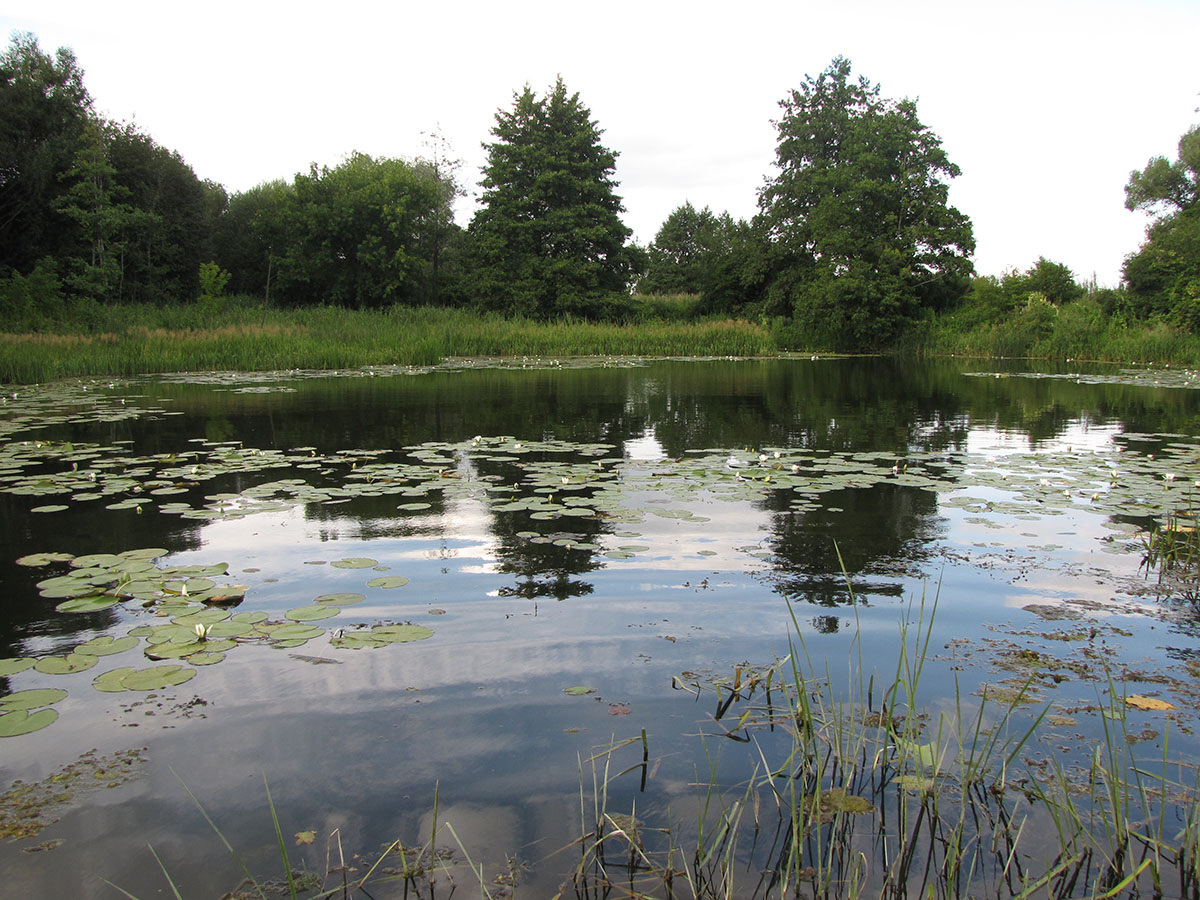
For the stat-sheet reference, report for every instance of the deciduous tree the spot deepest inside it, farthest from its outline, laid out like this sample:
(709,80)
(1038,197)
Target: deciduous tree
(685,248)
(1163,277)
(859,207)
(45,111)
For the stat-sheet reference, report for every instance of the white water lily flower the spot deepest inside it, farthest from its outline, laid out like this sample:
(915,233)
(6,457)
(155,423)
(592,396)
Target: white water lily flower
(202,631)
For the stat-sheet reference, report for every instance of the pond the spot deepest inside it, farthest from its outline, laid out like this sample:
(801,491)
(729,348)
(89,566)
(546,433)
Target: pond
(497,584)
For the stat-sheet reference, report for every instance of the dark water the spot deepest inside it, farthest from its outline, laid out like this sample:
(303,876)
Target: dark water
(908,506)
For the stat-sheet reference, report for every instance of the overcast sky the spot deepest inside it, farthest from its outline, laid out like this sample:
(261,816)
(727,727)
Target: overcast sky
(1046,106)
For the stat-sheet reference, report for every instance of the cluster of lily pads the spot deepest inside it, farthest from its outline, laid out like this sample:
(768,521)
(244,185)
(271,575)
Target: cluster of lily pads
(193,624)
(554,479)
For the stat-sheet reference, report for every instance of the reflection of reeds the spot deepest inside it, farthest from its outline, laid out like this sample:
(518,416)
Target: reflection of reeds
(865,795)
(1173,552)
(888,801)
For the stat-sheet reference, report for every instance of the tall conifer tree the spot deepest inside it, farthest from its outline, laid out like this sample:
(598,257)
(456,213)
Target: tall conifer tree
(548,240)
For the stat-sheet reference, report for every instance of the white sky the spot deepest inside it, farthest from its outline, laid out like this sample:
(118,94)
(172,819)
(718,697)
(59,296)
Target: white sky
(1045,105)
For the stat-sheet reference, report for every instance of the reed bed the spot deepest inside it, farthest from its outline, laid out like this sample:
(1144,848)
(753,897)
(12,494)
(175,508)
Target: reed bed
(871,796)
(1069,335)
(131,342)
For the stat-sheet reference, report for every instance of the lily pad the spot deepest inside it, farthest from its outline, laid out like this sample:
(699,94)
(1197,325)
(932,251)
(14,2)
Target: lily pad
(340,599)
(355,562)
(400,634)
(21,721)
(32,699)
(201,617)
(65,665)
(579,690)
(312,613)
(13,664)
(388,581)
(103,560)
(205,658)
(293,632)
(106,645)
(112,681)
(43,559)
(144,553)
(357,641)
(157,677)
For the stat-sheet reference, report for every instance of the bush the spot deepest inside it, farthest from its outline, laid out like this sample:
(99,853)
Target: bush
(32,302)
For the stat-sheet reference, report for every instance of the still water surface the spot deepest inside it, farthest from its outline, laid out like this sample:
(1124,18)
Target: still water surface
(621,528)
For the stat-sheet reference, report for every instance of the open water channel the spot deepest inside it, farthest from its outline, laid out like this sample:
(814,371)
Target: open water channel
(472,580)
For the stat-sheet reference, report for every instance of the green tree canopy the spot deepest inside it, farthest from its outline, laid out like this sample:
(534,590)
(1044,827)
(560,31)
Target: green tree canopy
(859,208)
(1173,186)
(1163,276)
(686,247)
(45,113)
(350,233)
(548,240)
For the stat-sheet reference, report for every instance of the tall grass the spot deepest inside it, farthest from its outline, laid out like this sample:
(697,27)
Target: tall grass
(872,796)
(240,336)
(1076,330)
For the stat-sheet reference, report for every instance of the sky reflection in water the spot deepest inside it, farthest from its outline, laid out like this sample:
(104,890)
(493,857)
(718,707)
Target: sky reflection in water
(479,709)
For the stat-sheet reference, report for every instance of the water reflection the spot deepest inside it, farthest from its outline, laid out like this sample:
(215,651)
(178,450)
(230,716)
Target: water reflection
(672,563)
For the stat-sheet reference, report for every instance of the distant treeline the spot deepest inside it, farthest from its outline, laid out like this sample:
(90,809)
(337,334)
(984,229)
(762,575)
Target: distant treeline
(855,245)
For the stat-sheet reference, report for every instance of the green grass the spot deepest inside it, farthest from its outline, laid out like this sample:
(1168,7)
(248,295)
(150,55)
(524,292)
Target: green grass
(89,339)
(240,336)
(874,796)
(1075,331)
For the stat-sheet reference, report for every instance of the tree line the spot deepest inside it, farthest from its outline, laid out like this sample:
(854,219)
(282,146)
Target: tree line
(854,240)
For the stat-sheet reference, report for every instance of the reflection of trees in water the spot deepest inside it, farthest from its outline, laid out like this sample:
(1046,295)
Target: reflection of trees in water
(543,568)
(885,405)
(85,528)
(881,536)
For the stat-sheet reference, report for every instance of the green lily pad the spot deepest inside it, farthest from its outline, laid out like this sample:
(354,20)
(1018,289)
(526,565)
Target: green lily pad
(157,677)
(112,681)
(68,588)
(293,632)
(144,553)
(21,721)
(65,665)
(52,508)
(229,630)
(94,603)
(189,586)
(249,617)
(103,560)
(401,634)
(207,616)
(355,562)
(32,699)
(174,649)
(43,559)
(106,645)
(340,599)
(206,658)
(357,641)
(388,581)
(312,613)
(579,690)
(13,664)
